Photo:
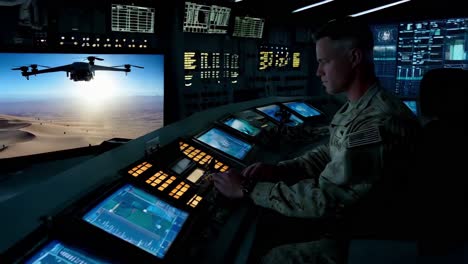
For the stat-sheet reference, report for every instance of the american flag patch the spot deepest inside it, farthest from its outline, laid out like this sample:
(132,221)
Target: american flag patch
(364,137)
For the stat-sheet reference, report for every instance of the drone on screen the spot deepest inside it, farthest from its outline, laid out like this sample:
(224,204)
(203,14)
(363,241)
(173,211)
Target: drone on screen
(77,71)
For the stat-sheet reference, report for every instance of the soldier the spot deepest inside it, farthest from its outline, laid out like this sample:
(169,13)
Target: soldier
(371,143)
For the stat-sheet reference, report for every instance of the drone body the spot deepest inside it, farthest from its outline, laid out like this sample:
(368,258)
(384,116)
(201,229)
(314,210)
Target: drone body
(76,71)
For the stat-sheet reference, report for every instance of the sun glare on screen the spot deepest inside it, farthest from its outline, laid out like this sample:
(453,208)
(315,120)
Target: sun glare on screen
(97,92)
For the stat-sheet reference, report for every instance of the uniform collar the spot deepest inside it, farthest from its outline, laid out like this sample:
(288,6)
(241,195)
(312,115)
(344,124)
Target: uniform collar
(366,98)
(350,111)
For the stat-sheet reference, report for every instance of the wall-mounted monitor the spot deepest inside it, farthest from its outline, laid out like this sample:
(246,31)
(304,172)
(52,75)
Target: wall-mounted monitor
(139,218)
(211,19)
(225,142)
(274,111)
(303,109)
(57,252)
(59,101)
(412,105)
(248,27)
(131,18)
(405,51)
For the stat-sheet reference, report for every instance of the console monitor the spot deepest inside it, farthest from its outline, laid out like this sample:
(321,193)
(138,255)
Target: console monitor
(411,104)
(274,111)
(57,252)
(303,109)
(139,218)
(226,143)
(242,126)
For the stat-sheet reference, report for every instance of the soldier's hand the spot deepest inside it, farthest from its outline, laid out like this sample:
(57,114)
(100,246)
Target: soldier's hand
(229,183)
(260,171)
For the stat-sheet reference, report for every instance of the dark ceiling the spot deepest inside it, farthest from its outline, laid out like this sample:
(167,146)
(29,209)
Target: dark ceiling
(280,11)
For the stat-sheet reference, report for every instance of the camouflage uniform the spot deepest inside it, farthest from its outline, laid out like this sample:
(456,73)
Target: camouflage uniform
(370,139)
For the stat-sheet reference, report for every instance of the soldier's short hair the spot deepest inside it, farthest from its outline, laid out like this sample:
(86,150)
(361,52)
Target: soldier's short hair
(352,31)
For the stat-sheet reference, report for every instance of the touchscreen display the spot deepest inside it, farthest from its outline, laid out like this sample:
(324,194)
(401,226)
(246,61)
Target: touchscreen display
(139,218)
(242,126)
(274,112)
(225,142)
(55,252)
(411,104)
(303,109)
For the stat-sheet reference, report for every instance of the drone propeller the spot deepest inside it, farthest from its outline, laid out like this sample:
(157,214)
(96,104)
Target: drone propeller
(22,68)
(26,68)
(127,66)
(34,66)
(92,58)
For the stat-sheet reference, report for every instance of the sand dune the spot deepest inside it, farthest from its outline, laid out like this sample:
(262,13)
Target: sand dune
(23,136)
(6,124)
(27,136)
(15,136)
(43,125)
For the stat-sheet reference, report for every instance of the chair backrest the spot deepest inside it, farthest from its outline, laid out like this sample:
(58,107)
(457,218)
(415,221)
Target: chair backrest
(440,187)
(441,93)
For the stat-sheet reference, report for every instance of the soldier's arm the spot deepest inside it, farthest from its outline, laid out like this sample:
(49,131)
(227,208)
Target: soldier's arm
(308,165)
(349,177)
(303,199)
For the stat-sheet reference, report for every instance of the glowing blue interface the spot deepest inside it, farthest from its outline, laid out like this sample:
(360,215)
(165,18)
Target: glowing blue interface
(139,218)
(273,111)
(56,252)
(242,126)
(303,109)
(225,142)
(411,104)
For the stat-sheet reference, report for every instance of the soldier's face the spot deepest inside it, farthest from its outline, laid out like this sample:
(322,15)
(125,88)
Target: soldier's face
(334,67)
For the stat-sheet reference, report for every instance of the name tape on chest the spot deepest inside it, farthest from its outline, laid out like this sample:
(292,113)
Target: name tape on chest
(364,137)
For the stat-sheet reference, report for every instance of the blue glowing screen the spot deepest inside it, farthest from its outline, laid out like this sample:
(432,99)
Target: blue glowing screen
(242,126)
(273,111)
(225,142)
(139,218)
(303,109)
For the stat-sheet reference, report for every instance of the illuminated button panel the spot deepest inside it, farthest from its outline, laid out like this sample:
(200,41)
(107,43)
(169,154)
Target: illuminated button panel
(194,201)
(139,169)
(200,156)
(179,190)
(160,179)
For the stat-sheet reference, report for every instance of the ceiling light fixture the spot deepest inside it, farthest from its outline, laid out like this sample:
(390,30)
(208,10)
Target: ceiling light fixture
(312,5)
(379,8)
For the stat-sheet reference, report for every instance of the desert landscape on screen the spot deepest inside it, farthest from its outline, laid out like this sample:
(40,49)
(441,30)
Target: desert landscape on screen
(27,134)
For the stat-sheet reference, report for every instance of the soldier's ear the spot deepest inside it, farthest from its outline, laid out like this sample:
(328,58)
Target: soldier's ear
(356,56)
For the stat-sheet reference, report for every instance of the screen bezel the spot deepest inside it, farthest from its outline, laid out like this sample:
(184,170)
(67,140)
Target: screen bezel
(90,228)
(273,119)
(319,116)
(220,152)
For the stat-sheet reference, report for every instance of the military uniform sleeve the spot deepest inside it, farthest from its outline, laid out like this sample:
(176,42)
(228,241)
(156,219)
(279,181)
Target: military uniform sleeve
(309,164)
(299,200)
(370,151)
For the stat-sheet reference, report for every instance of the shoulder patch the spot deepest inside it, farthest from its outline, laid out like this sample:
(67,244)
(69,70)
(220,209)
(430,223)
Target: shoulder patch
(364,137)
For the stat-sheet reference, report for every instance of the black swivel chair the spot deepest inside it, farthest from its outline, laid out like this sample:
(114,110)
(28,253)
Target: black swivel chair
(437,200)
(440,186)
